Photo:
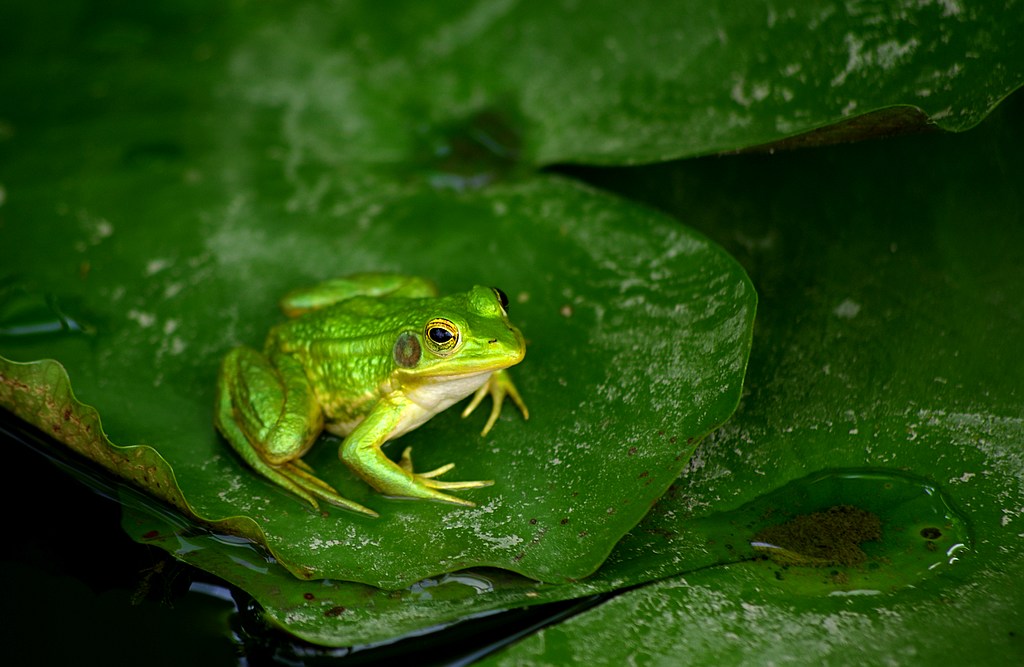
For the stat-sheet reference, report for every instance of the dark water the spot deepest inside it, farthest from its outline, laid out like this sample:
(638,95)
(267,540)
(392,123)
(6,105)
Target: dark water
(79,591)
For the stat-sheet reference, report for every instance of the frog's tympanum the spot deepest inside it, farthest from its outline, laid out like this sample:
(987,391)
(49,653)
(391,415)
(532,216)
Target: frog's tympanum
(368,357)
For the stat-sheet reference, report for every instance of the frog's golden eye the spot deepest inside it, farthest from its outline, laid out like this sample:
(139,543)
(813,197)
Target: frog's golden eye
(502,299)
(442,336)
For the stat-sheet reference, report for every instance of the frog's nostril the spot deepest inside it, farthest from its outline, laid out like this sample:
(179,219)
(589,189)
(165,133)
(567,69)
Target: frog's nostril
(492,341)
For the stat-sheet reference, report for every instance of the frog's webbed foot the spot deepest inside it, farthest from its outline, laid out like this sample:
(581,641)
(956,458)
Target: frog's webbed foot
(498,386)
(300,480)
(428,480)
(269,418)
(296,476)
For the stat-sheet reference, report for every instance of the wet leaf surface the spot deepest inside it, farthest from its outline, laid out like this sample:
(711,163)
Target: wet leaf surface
(887,342)
(633,358)
(168,171)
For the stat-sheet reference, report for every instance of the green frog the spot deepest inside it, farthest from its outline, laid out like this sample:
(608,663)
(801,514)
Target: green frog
(368,357)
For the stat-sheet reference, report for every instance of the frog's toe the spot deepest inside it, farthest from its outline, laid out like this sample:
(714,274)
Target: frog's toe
(427,479)
(406,464)
(438,484)
(305,484)
(498,387)
(304,466)
(436,472)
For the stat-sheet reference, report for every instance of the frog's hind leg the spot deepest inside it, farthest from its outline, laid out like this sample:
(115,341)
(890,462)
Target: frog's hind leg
(241,445)
(270,419)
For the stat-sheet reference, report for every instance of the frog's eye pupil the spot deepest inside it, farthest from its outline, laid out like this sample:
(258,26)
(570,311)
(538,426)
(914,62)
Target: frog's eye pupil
(502,298)
(440,336)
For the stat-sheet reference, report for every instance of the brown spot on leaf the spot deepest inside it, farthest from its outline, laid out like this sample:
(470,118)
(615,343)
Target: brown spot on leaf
(831,537)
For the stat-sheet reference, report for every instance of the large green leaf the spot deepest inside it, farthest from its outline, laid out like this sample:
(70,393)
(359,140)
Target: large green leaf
(886,347)
(157,287)
(360,84)
(888,339)
(608,82)
(633,358)
(118,116)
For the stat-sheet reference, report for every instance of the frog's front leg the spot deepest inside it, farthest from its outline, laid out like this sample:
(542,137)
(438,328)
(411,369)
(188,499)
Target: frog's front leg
(267,412)
(361,451)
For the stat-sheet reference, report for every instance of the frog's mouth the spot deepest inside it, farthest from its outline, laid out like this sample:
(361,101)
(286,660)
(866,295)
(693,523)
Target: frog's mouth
(488,361)
(469,369)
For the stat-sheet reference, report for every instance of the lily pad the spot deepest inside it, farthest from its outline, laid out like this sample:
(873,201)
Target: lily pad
(887,342)
(855,372)
(182,152)
(638,333)
(601,82)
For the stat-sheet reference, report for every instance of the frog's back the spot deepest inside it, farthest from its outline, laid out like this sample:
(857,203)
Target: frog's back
(346,350)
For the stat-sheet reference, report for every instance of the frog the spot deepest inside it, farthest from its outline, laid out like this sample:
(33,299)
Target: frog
(368,357)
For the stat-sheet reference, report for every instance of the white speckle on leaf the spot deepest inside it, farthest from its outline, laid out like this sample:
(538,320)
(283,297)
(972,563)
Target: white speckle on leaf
(103,229)
(966,477)
(745,95)
(96,229)
(472,520)
(949,7)
(884,55)
(847,310)
(155,266)
(792,69)
(144,320)
(177,346)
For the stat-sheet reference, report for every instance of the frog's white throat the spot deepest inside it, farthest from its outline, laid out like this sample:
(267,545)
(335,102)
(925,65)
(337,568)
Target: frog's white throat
(430,398)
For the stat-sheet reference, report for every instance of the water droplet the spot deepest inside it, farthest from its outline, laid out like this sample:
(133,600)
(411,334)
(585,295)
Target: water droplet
(845,532)
(450,585)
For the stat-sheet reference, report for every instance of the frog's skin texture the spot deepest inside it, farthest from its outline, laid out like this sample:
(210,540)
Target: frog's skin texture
(368,357)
